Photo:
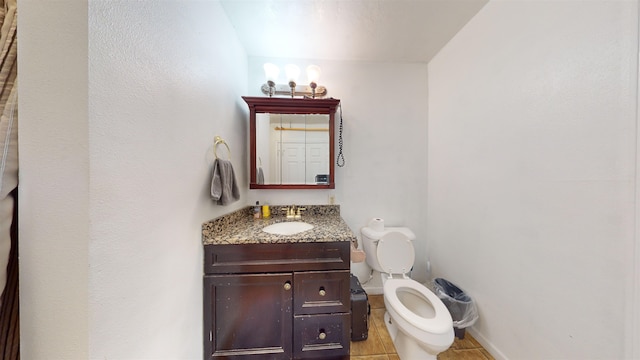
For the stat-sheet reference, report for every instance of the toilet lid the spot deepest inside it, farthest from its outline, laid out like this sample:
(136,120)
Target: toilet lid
(395,253)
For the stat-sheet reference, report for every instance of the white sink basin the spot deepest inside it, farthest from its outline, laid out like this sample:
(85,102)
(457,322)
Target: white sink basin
(287,228)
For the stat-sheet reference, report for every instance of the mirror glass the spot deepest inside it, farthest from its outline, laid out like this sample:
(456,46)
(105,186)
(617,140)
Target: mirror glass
(292,149)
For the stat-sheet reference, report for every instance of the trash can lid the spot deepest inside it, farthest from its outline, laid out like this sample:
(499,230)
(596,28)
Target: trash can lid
(395,253)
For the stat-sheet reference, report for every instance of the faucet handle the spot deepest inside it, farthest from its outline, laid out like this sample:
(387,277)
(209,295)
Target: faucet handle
(298,215)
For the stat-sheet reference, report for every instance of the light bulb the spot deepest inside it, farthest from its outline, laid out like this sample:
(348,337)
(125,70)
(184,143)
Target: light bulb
(271,72)
(293,72)
(313,73)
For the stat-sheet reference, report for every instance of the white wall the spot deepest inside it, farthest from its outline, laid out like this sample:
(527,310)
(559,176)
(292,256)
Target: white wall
(116,154)
(54,180)
(385,126)
(531,175)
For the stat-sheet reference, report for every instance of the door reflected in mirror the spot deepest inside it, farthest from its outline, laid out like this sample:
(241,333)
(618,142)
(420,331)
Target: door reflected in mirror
(292,148)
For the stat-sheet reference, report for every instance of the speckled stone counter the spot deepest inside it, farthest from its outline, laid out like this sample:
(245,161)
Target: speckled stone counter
(240,227)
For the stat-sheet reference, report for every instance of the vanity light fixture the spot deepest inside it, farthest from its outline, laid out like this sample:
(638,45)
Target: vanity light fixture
(292,88)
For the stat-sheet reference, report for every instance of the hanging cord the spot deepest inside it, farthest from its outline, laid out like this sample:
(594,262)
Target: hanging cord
(340,158)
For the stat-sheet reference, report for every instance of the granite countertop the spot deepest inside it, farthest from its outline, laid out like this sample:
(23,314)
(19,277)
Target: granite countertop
(240,227)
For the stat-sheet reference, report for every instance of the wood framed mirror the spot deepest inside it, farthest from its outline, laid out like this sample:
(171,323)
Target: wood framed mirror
(292,142)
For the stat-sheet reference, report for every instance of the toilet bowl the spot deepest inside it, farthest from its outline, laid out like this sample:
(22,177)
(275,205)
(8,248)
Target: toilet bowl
(418,321)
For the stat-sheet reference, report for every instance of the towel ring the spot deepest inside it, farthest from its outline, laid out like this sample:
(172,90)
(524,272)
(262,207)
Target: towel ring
(217,141)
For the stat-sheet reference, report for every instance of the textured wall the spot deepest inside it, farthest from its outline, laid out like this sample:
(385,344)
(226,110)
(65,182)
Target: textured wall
(54,180)
(531,174)
(163,81)
(120,102)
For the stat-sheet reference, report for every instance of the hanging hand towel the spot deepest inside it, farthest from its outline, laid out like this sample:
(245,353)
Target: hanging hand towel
(224,189)
(260,179)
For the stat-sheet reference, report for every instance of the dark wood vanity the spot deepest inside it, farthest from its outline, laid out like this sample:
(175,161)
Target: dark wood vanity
(277,301)
(276,297)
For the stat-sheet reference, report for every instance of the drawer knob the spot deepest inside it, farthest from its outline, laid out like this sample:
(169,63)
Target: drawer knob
(322,335)
(322,292)
(287,286)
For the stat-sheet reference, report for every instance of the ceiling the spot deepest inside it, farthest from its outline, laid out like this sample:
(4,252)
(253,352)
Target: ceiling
(349,30)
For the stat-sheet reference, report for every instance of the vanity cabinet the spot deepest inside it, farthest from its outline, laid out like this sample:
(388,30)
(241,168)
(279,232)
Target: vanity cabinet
(277,301)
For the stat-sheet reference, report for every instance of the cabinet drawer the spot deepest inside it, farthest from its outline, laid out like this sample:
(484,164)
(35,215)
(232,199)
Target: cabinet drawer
(321,292)
(321,336)
(280,257)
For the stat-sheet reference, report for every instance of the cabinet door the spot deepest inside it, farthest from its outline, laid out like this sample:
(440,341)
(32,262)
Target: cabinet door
(248,316)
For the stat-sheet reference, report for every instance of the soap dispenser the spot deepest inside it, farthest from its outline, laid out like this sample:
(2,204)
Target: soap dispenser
(257,212)
(266,211)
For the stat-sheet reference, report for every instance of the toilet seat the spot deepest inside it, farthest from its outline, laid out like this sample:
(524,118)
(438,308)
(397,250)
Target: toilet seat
(395,253)
(439,324)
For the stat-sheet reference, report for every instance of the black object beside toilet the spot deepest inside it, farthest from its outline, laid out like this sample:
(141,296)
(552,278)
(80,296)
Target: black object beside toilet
(360,311)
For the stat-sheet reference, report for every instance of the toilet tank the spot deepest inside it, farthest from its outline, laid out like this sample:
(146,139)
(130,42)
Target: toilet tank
(370,239)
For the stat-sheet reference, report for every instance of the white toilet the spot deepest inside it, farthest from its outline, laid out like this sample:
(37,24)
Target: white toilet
(418,322)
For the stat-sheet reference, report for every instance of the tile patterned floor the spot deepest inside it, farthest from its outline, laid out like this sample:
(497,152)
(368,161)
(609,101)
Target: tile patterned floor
(379,346)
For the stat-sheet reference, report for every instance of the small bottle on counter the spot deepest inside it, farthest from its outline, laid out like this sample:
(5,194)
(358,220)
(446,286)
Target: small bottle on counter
(266,212)
(257,214)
